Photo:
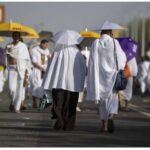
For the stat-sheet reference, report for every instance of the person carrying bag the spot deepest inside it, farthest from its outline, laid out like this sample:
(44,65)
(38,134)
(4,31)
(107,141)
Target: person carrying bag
(122,75)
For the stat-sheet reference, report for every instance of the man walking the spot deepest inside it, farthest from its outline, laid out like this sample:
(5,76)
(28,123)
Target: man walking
(102,73)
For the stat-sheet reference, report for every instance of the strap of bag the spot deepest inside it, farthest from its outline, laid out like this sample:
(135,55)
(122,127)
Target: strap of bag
(115,54)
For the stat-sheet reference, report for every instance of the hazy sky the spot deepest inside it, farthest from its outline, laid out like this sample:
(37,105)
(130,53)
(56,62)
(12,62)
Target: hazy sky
(56,16)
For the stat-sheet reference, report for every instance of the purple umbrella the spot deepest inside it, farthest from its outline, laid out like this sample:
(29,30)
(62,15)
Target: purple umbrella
(1,56)
(129,46)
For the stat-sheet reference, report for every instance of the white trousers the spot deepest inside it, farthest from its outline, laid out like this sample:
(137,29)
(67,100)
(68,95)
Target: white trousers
(17,91)
(127,93)
(143,87)
(109,106)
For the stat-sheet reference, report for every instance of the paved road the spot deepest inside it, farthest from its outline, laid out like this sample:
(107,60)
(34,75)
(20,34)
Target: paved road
(34,129)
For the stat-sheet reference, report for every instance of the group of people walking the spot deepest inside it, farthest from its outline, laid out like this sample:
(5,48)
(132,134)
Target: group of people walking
(64,73)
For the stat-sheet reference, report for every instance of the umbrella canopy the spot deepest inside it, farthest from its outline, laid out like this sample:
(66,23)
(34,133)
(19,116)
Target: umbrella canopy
(107,25)
(68,37)
(6,29)
(129,46)
(89,34)
(89,37)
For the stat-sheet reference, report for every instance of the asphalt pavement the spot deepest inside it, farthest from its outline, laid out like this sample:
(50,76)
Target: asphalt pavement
(34,129)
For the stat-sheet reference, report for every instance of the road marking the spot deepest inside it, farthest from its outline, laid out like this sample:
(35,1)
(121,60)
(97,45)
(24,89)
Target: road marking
(25,118)
(139,109)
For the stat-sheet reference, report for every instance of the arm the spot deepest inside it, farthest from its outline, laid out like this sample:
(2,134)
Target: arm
(40,67)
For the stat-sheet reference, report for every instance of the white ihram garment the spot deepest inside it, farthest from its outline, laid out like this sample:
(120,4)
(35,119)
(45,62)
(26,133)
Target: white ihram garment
(82,95)
(17,73)
(66,70)
(148,78)
(1,81)
(127,93)
(143,74)
(36,88)
(102,74)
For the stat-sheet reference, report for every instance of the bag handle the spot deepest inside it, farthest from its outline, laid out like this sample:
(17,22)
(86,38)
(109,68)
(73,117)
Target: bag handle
(115,54)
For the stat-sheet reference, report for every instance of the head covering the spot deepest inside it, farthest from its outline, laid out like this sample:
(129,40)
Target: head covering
(107,25)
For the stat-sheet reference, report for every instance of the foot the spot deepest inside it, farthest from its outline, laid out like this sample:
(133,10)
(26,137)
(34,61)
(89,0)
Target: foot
(58,125)
(17,111)
(11,107)
(23,107)
(78,109)
(111,126)
(103,130)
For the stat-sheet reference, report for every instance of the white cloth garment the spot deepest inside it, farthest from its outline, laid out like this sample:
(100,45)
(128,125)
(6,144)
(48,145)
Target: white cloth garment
(1,81)
(148,78)
(17,73)
(82,95)
(102,73)
(66,70)
(143,74)
(17,90)
(109,106)
(127,93)
(36,88)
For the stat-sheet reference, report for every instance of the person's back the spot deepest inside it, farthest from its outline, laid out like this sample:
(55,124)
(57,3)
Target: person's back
(68,62)
(106,58)
(104,55)
(65,76)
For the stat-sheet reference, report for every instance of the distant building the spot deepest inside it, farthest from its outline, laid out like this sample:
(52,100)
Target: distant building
(139,30)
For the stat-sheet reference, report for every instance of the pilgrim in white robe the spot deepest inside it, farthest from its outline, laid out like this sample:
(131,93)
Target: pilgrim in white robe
(148,78)
(142,75)
(102,73)
(127,93)
(36,78)
(65,77)
(2,63)
(16,73)
(1,79)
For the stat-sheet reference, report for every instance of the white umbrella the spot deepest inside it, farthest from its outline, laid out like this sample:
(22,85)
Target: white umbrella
(107,25)
(68,37)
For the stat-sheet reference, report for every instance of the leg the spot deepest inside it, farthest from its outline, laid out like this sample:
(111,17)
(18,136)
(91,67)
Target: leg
(103,126)
(19,95)
(34,102)
(70,116)
(126,105)
(143,88)
(58,100)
